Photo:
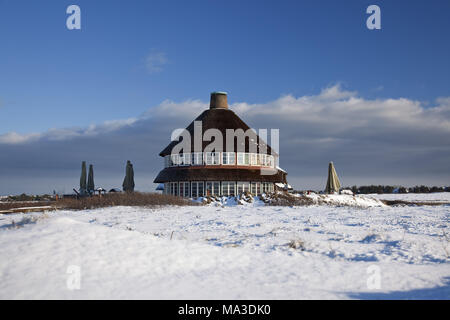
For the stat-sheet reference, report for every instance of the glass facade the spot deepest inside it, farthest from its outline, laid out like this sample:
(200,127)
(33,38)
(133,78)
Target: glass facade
(196,189)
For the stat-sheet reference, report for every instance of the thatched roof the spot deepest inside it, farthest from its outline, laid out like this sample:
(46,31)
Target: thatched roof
(206,173)
(221,119)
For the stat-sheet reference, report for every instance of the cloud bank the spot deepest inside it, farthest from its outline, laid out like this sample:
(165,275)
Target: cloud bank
(391,141)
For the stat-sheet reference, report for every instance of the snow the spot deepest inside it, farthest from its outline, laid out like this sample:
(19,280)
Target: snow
(346,200)
(232,251)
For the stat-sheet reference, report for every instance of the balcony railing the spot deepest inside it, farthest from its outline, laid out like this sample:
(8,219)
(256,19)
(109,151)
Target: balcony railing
(219,158)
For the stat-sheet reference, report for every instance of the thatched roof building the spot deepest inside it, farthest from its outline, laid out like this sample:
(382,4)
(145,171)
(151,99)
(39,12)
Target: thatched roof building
(245,164)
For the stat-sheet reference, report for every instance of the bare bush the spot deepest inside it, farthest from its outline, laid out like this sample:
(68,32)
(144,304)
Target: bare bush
(287,200)
(297,244)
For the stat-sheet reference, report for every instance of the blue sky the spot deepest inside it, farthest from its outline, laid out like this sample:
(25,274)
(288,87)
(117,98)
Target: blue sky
(376,102)
(256,50)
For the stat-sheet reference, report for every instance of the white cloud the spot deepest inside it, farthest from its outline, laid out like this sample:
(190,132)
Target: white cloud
(61,134)
(370,140)
(155,61)
(16,138)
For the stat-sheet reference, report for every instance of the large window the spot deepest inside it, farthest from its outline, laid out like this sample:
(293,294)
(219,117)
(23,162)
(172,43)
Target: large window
(184,189)
(253,159)
(213,188)
(208,189)
(216,188)
(174,188)
(228,158)
(243,159)
(243,187)
(228,188)
(266,187)
(185,159)
(197,158)
(212,158)
(201,191)
(175,158)
(197,189)
(253,188)
(194,190)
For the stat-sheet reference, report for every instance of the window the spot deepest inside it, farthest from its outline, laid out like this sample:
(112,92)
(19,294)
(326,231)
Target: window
(243,187)
(208,158)
(243,159)
(225,189)
(213,188)
(216,188)
(208,189)
(240,188)
(197,189)
(253,157)
(267,187)
(262,159)
(194,190)
(253,188)
(185,159)
(197,158)
(240,158)
(174,188)
(186,192)
(175,158)
(167,161)
(200,189)
(247,159)
(212,158)
(270,161)
(228,188)
(258,159)
(232,187)
(228,158)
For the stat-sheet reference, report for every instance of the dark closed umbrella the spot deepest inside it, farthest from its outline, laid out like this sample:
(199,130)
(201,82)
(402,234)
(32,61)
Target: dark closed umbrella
(83,178)
(128,182)
(90,184)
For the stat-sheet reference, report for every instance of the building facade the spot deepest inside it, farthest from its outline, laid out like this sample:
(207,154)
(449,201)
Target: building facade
(242,163)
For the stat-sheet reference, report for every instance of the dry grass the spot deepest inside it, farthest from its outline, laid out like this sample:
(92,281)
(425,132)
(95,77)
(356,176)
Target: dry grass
(19,204)
(287,199)
(412,203)
(123,199)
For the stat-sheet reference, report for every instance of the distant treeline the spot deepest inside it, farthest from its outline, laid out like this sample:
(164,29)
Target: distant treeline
(397,189)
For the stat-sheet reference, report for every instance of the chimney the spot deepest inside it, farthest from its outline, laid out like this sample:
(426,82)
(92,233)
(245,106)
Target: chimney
(218,100)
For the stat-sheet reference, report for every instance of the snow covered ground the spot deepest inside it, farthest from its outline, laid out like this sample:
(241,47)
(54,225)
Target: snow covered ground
(228,252)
